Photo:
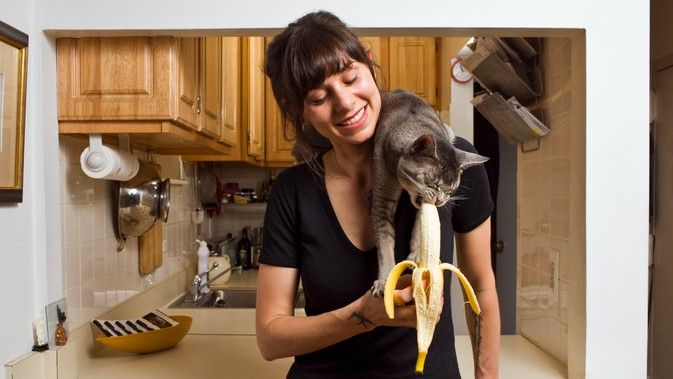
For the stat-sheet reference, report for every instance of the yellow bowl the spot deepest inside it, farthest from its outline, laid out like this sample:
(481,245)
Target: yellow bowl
(154,340)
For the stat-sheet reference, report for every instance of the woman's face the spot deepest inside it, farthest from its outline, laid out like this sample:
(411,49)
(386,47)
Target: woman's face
(346,106)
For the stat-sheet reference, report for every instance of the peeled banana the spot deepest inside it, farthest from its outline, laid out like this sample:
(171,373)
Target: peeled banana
(427,298)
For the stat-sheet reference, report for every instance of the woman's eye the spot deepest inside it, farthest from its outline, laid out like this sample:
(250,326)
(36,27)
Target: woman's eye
(351,80)
(318,101)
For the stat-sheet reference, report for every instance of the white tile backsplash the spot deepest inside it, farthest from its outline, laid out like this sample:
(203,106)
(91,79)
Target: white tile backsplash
(544,207)
(96,276)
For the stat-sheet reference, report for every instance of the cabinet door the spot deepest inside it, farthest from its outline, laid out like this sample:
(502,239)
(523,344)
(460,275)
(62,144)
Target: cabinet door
(278,147)
(413,66)
(209,105)
(188,81)
(254,87)
(114,78)
(231,90)
(378,48)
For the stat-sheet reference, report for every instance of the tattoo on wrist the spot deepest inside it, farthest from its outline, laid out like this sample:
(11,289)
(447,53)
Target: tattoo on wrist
(362,320)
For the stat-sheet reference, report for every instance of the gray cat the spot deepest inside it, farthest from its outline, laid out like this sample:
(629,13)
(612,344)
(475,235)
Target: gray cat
(413,151)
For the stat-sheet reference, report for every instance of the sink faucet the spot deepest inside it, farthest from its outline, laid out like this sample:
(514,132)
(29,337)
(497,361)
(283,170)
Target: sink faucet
(202,280)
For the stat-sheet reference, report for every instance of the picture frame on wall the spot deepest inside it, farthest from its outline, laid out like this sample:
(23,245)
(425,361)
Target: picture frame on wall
(13,82)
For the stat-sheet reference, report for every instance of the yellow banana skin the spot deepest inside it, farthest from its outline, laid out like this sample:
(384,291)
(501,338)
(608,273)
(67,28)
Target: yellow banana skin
(427,298)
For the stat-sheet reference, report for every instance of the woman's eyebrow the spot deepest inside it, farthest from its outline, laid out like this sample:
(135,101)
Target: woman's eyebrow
(346,65)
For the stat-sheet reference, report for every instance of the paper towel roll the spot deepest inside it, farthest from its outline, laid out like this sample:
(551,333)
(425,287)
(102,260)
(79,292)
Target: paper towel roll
(103,162)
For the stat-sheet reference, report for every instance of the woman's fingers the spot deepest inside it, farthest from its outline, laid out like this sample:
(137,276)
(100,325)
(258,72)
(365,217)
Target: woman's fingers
(403,296)
(403,293)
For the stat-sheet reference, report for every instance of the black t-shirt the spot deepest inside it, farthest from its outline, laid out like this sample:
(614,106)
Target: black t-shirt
(301,230)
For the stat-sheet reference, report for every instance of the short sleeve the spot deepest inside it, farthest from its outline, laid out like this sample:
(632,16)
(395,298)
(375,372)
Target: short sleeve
(280,246)
(473,198)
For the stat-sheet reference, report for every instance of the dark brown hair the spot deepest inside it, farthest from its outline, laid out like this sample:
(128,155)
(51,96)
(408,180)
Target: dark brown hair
(298,60)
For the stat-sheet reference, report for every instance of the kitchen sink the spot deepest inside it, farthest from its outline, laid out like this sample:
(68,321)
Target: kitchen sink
(228,298)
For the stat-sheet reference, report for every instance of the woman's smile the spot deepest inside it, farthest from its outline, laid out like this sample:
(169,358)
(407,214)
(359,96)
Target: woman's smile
(355,121)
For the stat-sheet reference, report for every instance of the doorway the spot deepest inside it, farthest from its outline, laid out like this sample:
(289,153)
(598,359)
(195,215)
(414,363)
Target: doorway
(661,308)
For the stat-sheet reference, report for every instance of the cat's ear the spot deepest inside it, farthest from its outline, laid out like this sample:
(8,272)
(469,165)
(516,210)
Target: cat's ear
(467,159)
(424,144)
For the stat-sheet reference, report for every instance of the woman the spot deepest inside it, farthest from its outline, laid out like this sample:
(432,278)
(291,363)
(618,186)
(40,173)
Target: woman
(318,227)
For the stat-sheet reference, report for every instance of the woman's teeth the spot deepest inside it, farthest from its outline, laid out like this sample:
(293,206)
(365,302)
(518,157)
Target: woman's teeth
(354,119)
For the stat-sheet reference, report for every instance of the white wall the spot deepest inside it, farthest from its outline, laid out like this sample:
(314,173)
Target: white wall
(617,114)
(22,226)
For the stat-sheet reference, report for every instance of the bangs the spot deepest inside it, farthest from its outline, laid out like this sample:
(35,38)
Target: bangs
(312,60)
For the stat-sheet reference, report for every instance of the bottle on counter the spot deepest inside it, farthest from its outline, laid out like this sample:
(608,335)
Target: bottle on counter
(202,255)
(256,252)
(231,249)
(245,250)
(256,246)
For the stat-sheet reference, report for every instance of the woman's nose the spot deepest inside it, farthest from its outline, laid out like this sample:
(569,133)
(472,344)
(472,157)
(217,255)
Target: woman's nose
(343,99)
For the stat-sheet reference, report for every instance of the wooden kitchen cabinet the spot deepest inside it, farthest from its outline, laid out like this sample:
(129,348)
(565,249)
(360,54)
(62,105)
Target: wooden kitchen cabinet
(200,84)
(278,145)
(231,90)
(262,139)
(165,92)
(412,65)
(378,48)
(244,113)
(211,101)
(406,62)
(210,68)
(253,94)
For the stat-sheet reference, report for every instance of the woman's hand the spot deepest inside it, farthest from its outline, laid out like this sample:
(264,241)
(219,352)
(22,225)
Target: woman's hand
(372,312)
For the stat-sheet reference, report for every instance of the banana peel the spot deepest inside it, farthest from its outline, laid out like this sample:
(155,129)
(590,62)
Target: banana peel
(427,281)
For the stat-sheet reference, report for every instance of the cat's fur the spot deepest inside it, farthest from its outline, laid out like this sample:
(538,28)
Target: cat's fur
(413,151)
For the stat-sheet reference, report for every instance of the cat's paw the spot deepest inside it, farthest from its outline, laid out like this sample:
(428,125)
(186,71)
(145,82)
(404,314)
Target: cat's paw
(377,289)
(413,255)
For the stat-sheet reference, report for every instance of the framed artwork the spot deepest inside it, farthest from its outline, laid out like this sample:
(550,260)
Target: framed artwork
(13,76)
(57,326)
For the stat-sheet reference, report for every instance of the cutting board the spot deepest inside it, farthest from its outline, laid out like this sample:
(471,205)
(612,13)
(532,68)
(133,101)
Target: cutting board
(150,245)
(150,249)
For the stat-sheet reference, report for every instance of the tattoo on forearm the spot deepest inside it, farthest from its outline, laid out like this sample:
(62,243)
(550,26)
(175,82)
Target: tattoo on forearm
(362,320)
(477,338)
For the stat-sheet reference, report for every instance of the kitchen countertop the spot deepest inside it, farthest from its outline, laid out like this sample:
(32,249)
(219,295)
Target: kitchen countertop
(220,356)
(221,344)
(243,279)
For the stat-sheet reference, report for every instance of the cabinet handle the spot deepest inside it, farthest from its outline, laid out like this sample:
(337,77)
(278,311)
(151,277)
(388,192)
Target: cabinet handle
(198,105)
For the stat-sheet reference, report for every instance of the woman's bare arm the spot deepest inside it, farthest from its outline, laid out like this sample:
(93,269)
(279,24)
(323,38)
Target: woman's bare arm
(282,334)
(474,259)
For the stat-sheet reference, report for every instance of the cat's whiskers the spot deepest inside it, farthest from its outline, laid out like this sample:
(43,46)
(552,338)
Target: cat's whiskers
(453,200)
